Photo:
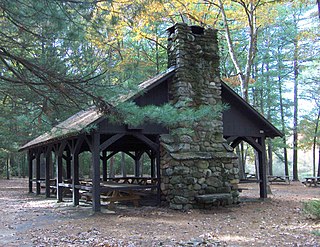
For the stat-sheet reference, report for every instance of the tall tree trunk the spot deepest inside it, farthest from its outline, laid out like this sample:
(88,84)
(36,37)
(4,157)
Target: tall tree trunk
(314,145)
(8,166)
(295,112)
(283,125)
(242,170)
(123,165)
(270,159)
(283,128)
(318,161)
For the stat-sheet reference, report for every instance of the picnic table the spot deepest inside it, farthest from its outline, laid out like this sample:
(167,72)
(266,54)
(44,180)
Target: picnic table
(115,192)
(309,181)
(278,179)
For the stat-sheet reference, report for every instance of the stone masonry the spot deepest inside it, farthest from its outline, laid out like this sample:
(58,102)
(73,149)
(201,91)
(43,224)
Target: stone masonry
(195,158)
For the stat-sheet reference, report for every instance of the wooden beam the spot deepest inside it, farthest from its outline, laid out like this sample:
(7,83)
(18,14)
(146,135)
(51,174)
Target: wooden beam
(110,141)
(96,205)
(256,145)
(151,144)
(235,141)
(111,154)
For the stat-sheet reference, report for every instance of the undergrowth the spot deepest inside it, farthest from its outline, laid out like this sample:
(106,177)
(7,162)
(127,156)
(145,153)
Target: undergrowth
(312,208)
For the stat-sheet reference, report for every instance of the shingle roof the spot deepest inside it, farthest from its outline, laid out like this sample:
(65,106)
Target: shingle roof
(83,119)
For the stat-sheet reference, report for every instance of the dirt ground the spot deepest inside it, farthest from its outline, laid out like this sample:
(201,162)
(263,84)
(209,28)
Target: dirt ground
(29,220)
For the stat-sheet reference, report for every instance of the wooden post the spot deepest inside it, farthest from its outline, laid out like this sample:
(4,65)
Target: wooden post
(262,168)
(157,152)
(59,175)
(47,170)
(68,164)
(153,164)
(75,177)
(104,165)
(38,185)
(137,164)
(96,205)
(30,165)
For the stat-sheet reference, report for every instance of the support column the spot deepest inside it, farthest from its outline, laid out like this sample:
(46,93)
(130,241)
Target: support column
(137,164)
(59,177)
(157,153)
(104,165)
(38,185)
(30,165)
(75,178)
(47,171)
(96,205)
(68,164)
(153,164)
(262,168)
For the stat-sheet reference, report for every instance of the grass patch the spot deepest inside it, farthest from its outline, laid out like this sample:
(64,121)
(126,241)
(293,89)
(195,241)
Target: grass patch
(316,232)
(312,208)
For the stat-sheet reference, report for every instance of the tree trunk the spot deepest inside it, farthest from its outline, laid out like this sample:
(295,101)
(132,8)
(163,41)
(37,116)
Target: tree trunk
(283,125)
(242,171)
(111,162)
(314,145)
(8,166)
(295,112)
(123,165)
(270,159)
(319,162)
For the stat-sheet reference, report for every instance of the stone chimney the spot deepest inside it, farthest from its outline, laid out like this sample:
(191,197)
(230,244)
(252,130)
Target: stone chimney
(196,161)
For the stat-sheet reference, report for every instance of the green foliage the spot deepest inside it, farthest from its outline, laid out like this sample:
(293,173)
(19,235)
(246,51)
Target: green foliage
(167,114)
(312,208)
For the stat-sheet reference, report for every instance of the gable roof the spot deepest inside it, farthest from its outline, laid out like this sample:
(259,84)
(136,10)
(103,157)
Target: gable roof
(269,129)
(78,123)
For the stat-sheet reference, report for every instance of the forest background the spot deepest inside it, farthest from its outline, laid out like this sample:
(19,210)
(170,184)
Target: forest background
(60,56)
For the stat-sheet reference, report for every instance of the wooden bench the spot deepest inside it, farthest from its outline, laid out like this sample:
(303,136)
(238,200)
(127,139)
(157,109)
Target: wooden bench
(278,179)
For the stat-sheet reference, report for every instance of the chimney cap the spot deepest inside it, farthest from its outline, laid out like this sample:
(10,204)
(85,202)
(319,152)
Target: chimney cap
(195,29)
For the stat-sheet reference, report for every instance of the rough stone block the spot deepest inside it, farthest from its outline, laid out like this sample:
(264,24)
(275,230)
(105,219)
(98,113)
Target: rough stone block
(210,198)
